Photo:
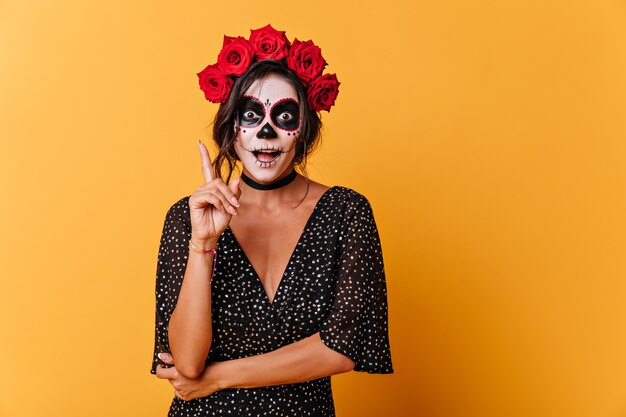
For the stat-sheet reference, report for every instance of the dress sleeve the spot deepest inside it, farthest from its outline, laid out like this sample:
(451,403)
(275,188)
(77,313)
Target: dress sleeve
(356,325)
(171,265)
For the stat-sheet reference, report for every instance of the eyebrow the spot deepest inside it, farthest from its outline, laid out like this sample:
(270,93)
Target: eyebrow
(253,98)
(283,100)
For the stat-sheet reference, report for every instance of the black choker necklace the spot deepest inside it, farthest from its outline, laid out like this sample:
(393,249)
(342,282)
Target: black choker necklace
(280,183)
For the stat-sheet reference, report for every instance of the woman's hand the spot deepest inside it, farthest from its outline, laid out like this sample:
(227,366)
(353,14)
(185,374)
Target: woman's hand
(184,388)
(212,204)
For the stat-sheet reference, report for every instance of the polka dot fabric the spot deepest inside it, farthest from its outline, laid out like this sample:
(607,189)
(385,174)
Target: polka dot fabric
(334,284)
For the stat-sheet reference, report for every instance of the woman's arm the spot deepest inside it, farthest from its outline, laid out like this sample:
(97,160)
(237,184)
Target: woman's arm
(304,360)
(190,331)
(190,327)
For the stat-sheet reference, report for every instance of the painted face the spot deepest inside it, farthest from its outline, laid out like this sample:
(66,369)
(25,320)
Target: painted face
(268,123)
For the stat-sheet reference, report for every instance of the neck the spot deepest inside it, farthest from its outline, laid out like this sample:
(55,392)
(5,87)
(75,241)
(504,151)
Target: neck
(279,183)
(257,193)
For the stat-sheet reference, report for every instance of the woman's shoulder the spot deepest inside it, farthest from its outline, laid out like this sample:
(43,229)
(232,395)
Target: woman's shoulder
(349,196)
(181,205)
(178,211)
(352,209)
(334,196)
(348,203)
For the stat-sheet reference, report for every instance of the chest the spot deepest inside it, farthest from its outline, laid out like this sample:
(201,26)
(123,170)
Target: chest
(269,244)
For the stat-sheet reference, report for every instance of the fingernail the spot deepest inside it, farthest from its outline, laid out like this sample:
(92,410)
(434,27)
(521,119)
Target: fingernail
(234,200)
(160,357)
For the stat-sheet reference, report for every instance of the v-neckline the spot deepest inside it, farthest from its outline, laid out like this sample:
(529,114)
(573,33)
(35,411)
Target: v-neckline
(257,278)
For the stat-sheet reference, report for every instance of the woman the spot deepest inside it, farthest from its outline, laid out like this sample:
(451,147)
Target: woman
(267,287)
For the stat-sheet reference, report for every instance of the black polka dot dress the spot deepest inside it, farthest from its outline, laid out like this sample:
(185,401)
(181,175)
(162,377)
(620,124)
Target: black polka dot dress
(334,284)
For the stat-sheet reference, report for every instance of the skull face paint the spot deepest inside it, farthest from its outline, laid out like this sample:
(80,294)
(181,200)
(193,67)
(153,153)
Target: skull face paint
(267,124)
(251,111)
(285,114)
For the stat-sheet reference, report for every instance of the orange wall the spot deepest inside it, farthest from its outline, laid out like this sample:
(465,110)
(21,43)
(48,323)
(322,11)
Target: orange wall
(488,135)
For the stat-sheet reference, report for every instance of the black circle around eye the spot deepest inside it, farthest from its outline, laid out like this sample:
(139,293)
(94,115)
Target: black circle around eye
(251,111)
(291,109)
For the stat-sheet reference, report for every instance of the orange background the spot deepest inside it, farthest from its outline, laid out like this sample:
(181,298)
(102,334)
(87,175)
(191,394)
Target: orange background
(488,136)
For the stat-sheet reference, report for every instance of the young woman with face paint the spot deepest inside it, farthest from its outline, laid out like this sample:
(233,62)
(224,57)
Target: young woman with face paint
(297,292)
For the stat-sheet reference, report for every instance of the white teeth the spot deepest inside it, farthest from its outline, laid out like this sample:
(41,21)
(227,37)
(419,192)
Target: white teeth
(267,164)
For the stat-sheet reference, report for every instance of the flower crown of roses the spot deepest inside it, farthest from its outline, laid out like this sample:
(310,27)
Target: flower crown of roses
(238,53)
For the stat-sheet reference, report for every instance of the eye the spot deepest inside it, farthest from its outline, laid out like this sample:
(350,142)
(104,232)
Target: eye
(286,114)
(250,115)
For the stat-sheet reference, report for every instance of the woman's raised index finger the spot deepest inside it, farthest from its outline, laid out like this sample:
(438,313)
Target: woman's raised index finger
(207,169)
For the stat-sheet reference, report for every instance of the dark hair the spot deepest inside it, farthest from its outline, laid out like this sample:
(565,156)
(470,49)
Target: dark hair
(224,123)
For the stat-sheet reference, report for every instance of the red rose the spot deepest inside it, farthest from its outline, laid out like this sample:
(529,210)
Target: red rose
(322,92)
(305,58)
(268,42)
(235,56)
(215,84)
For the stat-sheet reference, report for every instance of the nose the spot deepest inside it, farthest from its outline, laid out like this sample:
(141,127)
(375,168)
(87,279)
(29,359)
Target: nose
(267,132)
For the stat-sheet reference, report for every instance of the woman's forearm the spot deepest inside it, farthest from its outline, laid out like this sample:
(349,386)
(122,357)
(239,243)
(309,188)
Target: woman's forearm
(190,326)
(300,361)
